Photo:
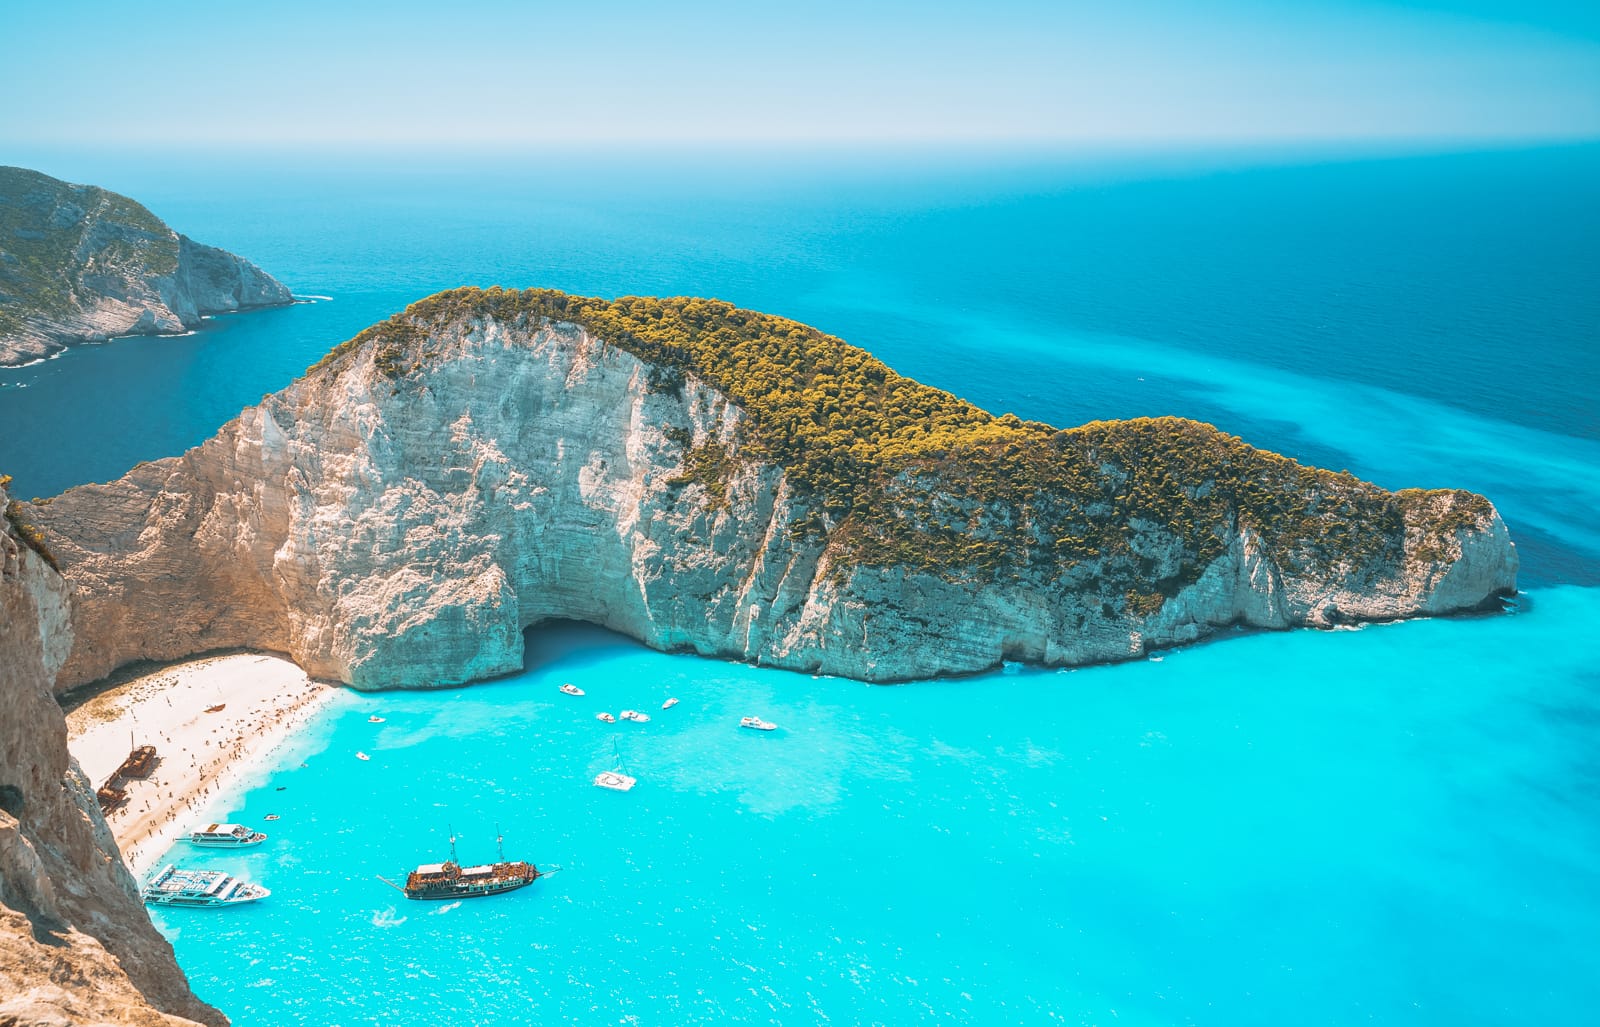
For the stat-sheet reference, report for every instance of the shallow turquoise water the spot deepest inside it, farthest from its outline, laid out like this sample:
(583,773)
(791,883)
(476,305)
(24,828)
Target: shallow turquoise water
(1391,825)
(1304,827)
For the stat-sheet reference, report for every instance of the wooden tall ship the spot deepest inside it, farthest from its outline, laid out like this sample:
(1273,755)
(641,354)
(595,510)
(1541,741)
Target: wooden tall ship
(451,880)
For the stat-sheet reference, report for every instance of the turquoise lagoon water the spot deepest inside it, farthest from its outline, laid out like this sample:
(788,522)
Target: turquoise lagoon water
(1393,825)
(1309,828)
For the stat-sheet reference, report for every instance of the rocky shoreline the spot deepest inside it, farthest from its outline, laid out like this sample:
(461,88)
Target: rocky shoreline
(75,943)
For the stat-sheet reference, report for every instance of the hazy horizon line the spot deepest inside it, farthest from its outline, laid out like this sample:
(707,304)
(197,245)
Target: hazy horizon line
(977,146)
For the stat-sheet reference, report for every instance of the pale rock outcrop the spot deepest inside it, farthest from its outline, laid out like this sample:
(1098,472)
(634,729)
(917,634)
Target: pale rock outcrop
(79,263)
(399,525)
(76,946)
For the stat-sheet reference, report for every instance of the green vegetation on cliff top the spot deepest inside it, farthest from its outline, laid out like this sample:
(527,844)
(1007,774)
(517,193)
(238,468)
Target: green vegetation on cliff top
(44,251)
(901,474)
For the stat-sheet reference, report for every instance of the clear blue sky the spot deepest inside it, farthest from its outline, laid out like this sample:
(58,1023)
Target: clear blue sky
(1126,72)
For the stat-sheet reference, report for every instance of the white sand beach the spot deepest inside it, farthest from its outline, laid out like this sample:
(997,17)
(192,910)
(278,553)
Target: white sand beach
(202,755)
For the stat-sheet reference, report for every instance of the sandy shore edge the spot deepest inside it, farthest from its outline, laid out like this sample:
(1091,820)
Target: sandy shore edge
(204,757)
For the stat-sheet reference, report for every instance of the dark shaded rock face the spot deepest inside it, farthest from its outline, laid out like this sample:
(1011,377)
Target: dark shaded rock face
(79,263)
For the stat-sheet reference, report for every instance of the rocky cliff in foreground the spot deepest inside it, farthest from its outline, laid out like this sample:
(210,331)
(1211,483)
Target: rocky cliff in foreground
(709,479)
(75,944)
(79,263)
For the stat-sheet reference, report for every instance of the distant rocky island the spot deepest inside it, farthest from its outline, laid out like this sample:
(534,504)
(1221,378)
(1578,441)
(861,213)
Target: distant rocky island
(709,479)
(79,263)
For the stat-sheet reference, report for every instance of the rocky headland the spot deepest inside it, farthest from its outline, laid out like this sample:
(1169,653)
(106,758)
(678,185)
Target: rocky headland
(696,476)
(75,944)
(79,263)
(710,479)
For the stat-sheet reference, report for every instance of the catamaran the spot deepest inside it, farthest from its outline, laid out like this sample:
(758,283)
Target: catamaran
(172,886)
(615,780)
(226,836)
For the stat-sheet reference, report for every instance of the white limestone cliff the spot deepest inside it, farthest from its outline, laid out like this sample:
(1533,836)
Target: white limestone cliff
(399,527)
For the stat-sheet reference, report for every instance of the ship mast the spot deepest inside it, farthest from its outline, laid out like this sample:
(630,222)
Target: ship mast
(452,844)
(500,842)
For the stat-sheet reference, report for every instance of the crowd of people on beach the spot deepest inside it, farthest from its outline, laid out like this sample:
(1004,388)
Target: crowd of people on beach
(197,756)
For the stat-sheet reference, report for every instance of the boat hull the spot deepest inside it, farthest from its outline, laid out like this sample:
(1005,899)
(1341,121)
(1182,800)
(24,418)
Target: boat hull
(227,845)
(156,900)
(474,893)
(451,881)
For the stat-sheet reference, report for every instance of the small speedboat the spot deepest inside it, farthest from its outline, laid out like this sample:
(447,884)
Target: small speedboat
(362,756)
(603,715)
(757,724)
(634,715)
(270,816)
(669,704)
(374,719)
(614,780)
(571,689)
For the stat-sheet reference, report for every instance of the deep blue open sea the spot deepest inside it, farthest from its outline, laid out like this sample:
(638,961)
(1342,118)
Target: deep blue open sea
(1396,825)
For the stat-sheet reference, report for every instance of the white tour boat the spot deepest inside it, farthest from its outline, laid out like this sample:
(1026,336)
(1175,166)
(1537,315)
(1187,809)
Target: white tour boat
(226,836)
(174,887)
(757,724)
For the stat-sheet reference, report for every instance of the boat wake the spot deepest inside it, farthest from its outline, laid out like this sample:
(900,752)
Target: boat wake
(447,907)
(386,918)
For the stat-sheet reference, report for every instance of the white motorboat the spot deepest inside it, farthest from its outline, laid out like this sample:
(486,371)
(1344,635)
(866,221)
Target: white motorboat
(172,886)
(603,715)
(226,836)
(634,715)
(362,756)
(669,704)
(757,724)
(374,719)
(571,689)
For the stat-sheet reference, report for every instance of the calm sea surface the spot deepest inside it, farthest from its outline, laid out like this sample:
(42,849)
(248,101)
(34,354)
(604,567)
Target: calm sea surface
(1395,825)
